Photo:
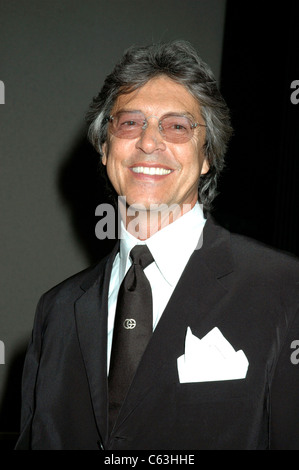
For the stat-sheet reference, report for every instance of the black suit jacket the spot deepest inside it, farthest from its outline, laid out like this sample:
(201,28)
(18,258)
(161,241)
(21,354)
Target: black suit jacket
(250,292)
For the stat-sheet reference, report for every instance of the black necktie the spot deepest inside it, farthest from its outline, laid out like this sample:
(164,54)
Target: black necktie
(132,329)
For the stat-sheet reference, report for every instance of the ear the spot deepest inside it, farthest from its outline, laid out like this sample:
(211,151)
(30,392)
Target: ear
(205,167)
(104,153)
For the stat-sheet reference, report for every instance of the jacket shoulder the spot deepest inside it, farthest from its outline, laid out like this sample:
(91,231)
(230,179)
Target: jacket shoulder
(260,256)
(263,269)
(73,286)
(247,256)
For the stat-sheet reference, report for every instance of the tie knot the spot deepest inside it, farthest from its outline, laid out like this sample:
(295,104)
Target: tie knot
(140,254)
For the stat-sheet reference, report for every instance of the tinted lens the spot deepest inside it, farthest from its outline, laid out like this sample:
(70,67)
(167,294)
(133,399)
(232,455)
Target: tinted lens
(127,125)
(176,128)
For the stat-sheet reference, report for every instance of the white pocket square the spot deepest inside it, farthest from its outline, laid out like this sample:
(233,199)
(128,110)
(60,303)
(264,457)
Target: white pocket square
(211,358)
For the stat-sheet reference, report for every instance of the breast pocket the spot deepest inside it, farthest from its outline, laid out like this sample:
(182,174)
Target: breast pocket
(218,391)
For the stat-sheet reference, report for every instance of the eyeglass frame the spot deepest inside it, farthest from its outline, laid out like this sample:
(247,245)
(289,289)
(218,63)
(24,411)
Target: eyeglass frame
(193,125)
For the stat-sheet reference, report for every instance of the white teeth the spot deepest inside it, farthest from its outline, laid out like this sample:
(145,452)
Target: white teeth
(150,170)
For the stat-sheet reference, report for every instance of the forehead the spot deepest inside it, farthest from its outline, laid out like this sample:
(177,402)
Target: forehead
(158,96)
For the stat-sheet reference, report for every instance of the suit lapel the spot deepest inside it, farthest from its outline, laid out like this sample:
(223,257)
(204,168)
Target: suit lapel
(91,312)
(196,302)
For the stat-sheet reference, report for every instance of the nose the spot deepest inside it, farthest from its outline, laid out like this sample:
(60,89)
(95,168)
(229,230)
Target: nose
(151,139)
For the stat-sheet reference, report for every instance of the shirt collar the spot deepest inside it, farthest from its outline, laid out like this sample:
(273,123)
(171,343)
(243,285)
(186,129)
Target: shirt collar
(171,246)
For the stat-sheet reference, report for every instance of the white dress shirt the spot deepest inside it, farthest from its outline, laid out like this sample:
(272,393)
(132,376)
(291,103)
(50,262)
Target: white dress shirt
(171,248)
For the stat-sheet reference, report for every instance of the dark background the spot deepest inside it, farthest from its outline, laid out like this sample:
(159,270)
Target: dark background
(259,191)
(57,54)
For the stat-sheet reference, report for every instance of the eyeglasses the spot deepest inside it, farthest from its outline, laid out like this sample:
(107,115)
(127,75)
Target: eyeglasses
(174,128)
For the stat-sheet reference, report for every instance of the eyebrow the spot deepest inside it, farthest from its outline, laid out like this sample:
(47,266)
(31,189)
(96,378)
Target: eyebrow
(176,113)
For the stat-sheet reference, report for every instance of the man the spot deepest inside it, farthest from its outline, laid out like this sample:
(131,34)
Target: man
(218,369)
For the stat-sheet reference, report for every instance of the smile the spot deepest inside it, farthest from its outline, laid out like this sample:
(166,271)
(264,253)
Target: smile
(145,170)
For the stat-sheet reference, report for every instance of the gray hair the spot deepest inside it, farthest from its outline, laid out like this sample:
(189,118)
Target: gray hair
(179,61)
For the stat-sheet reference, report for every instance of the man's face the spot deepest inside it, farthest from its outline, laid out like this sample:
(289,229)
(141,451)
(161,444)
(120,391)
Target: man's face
(186,161)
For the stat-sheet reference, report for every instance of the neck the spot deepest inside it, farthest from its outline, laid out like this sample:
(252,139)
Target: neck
(143,223)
